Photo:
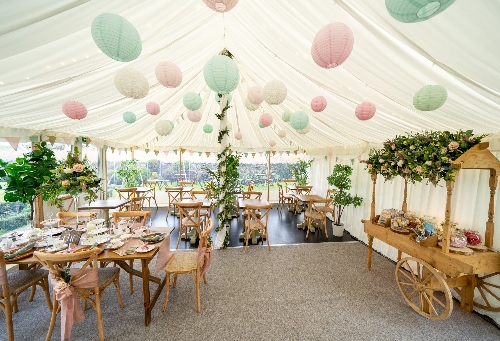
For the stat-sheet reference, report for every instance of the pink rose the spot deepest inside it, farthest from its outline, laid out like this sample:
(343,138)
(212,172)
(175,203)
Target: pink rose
(393,146)
(65,183)
(370,166)
(78,167)
(405,170)
(453,145)
(420,169)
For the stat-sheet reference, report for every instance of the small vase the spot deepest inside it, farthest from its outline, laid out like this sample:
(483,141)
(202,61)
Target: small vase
(75,202)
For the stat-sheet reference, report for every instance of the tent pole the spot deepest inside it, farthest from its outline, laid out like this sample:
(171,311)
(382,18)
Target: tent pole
(180,165)
(268,172)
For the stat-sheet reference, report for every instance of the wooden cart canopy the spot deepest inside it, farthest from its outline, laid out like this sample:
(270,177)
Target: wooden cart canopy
(478,157)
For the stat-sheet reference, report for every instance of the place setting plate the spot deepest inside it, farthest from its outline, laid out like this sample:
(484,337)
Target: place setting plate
(50,221)
(144,248)
(97,231)
(100,239)
(53,231)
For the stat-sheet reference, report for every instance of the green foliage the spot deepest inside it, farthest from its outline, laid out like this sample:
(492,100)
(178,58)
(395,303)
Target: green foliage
(27,176)
(426,155)
(300,171)
(128,172)
(341,183)
(13,221)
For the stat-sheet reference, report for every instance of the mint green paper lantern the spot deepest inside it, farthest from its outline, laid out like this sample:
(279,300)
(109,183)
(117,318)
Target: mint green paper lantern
(171,123)
(229,98)
(207,128)
(299,120)
(430,97)
(116,37)
(192,101)
(286,116)
(129,117)
(221,74)
(410,11)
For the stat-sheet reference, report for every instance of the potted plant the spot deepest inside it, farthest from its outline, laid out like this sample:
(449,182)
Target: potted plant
(128,172)
(341,184)
(27,175)
(300,171)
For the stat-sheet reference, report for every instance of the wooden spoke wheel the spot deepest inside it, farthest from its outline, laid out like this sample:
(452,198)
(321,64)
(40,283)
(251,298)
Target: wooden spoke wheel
(424,289)
(488,286)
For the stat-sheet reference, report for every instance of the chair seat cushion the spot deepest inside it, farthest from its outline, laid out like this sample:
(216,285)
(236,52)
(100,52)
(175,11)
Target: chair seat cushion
(315,215)
(182,262)
(254,225)
(189,222)
(19,280)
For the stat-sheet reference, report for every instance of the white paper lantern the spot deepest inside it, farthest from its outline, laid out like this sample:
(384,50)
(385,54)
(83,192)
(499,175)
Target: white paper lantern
(163,128)
(250,106)
(256,95)
(275,92)
(131,83)
(272,143)
(282,134)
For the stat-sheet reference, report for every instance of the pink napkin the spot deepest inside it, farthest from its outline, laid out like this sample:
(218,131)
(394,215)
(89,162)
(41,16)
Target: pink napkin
(164,254)
(205,255)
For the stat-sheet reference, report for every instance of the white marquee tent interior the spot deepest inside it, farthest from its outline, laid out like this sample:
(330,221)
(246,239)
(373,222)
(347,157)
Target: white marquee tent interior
(48,57)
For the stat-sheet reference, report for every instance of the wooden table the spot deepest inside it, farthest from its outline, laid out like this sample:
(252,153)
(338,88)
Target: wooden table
(108,256)
(104,206)
(241,205)
(308,198)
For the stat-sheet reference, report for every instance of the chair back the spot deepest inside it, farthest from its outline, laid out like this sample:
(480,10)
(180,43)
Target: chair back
(174,194)
(251,195)
(321,206)
(257,216)
(126,193)
(289,182)
(303,190)
(5,303)
(139,216)
(68,218)
(137,203)
(250,186)
(186,183)
(200,194)
(190,214)
(67,202)
(206,233)
(330,192)
(280,190)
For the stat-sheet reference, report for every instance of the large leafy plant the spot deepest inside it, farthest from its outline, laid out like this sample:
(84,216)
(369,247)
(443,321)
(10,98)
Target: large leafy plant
(27,176)
(341,184)
(300,171)
(128,172)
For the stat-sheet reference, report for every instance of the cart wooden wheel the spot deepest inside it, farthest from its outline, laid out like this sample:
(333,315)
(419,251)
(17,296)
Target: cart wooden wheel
(424,290)
(490,292)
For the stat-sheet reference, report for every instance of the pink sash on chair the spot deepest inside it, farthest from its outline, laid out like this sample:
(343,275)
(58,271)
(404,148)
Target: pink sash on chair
(205,254)
(164,255)
(66,294)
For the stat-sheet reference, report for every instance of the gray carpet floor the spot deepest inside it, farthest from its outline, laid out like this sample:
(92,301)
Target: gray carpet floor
(295,292)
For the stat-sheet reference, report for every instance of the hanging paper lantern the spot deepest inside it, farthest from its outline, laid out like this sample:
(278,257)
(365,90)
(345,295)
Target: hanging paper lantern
(286,116)
(171,123)
(250,106)
(299,120)
(256,95)
(238,135)
(318,104)
(266,119)
(430,97)
(153,108)
(221,5)
(281,134)
(192,101)
(129,117)
(275,92)
(305,130)
(409,11)
(229,98)
(116,37)
(168,74)
(221,74)
(74,110)
(194,116)
(272,143)
(163,128)
(131,83)
(365,111)
(332,45)
(207,128)
(260,125)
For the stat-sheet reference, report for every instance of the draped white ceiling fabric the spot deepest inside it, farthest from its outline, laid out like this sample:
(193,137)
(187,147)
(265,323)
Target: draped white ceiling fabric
(48,56)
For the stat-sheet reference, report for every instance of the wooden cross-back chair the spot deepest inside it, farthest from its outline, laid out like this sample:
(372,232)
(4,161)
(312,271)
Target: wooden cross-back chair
(137,203)
(13,284)
(105,276)
(186,183)
(330,208)
(68,218)
(193,263)
(174,195)
(189,218)
(249,195)
(67,202)
(152,194)
(284,198)
(205,195)
(124,194)
(301,190)
(288,183)
(257,222)
(250,186)
(317,212)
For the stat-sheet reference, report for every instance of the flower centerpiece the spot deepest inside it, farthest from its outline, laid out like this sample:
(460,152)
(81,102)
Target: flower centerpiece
(74,177)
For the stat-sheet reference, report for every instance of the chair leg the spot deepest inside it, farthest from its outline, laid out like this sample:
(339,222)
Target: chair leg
(33,291)
(167,289)
(268,244)
(55,308)
(8,319)
(14,303)
(45,286)
(197,279)
(116,283)
(326,231)
(99,316)
(131,277)
(247,235)
(205,278)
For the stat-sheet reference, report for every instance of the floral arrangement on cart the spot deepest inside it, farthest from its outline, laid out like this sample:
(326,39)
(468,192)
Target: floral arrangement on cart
(74,176)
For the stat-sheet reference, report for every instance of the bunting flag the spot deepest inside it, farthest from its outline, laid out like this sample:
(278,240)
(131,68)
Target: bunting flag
(105,147)
(52,139)
(112,149)
(281,153)
(13,141)
(295,152)
(287,152)
(182,116)
(246,154)
(87,141)
(119,151)
(243,79)
(68,140)
(97,145)
(177,120)
(207,154)
(253,154)
(341,160)
(165,152)
(359,157)
(175,151)
(156,153)
(336,159)
(199,153)
(146,150)
(352,161)
(326,158)
(274,152)
(34,139)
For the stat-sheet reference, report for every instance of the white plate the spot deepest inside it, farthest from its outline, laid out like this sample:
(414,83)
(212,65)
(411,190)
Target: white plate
(21,241)
(114,247)
(125,236)
(56,248)
(145,249)
(50,221)
(51,232)
(45,242)
(95,239)
(97,231)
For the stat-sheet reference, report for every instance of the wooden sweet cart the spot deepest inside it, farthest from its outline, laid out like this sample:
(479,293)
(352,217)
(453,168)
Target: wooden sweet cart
(425,278)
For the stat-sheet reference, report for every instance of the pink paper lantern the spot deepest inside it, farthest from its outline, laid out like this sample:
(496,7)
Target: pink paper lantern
(168,74)
(272,143)
(365,111)
(221,5)
(255,95)
(74,110)
(266,119)
(238,135)
(281,134)
(153,108)
(332,45)
(194,116)
(318,104)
